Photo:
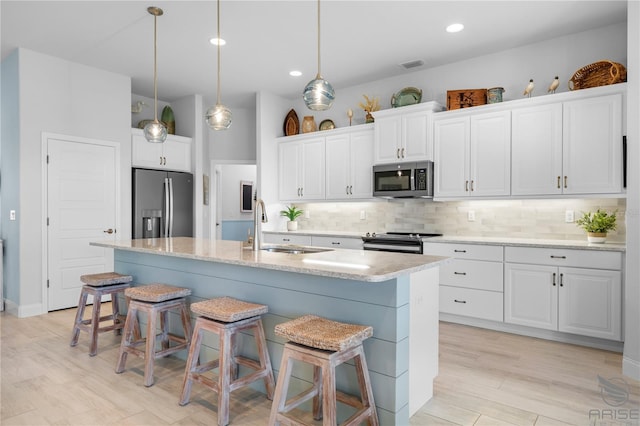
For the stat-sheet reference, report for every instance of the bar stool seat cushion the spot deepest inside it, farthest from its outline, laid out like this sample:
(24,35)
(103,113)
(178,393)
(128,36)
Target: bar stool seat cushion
(228,309)
(105,278)
(156,292)
(322,333)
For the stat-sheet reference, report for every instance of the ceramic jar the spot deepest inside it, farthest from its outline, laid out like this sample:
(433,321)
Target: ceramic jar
(308,124)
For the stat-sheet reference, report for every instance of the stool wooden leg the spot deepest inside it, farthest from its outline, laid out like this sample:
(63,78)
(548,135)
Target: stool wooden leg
(328,394)
(282,387)
(164,329)
(265,361)
(186,320)
(317,399)
(364,384)
(130,323)
(192,363)
(82,303)
(149,357)
(224,378)
(95,323)
(115,309)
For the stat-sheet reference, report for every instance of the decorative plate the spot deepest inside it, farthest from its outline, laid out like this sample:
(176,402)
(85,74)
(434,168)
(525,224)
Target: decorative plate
(406,96)
(291,124)
(327,125)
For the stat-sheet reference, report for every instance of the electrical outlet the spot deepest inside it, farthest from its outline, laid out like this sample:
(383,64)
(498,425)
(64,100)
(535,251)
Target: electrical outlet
(307,214)
(363,215)
(471,216)
(569,216)
(12,215)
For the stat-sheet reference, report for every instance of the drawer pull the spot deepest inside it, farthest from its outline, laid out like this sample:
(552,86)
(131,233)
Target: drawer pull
(554,279)
(459,251)
(558,257)
(286,239)
(335,243)
(460,273)
(459,301)
(561,283)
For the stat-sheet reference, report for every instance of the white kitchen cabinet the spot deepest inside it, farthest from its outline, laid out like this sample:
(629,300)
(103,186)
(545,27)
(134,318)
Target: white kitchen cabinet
(173,154)
(471,284)
(301,169)
(354,243)
(275,238)
(579,300)
(573,147)
(349,161)
(472,155)
(404,134)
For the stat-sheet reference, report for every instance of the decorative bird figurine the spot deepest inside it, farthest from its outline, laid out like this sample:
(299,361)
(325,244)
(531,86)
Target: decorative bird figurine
(137,107)
(554,85)
(529,88)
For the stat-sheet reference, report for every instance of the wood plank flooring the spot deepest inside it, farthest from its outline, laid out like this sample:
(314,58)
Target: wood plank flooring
(486,378)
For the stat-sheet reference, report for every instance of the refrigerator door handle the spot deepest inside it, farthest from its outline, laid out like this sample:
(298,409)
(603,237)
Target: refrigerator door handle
(171,207)
(166,207)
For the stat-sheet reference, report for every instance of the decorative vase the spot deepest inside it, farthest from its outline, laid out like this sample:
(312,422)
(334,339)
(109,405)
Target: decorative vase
(494,95)
(596,237)
(292,225)
(169,120)
(308,124)
(368,118)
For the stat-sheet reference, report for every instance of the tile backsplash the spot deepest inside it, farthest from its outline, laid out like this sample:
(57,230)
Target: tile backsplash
(543,219)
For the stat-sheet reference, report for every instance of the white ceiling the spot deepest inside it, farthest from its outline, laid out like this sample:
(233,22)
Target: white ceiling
(361,40)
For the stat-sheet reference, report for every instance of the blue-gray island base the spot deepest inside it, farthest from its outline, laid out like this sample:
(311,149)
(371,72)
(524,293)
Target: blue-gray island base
(397,294)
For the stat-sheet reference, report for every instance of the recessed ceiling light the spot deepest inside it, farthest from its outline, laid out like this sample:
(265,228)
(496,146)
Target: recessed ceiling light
(295,73)
(455,28)
(215,41)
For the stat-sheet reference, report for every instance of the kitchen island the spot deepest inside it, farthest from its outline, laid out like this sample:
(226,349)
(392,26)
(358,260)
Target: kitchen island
(397,294)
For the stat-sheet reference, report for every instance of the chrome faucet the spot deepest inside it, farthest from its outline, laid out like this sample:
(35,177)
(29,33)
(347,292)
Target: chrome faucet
(257,240)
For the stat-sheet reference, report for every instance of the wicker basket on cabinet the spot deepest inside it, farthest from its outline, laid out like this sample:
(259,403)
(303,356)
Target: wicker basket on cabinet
(601,73)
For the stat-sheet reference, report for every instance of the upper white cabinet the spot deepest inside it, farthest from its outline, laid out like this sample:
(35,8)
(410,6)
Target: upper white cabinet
(404,134)
(472,155)
(573,147)
(301,167)
(173,154)
(349,159)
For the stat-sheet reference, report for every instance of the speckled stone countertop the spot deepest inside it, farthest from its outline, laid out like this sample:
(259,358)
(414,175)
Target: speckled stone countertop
(360,265)
(529,242)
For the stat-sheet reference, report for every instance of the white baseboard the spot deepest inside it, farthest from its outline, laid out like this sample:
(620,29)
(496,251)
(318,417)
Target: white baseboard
(23,311)
(631,368)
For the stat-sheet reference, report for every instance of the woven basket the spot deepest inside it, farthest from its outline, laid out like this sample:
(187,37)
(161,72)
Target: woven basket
(601,73)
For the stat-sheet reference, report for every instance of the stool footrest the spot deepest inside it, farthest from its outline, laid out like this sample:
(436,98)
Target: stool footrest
(299,399)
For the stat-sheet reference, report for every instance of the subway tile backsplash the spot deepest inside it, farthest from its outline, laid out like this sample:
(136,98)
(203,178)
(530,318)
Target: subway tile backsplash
(544,219)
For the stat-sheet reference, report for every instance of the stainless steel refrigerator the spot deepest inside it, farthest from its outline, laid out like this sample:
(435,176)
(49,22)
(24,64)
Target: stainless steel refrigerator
(162,204)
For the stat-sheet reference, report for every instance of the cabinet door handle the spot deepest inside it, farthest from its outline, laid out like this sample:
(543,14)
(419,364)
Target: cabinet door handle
(459,301)
(561,283)
(471,185)
(554,279)
(286,239)
(298,192)
(565,182)
(350,189)
(466,186)
(335,243)
(161,160)
(459,273)
(346,189)
(558,182)
(302,192)
(402,152)
(459,251)
(398,153)
(558,257)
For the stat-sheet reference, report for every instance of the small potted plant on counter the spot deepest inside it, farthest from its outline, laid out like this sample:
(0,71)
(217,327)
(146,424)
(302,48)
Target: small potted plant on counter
(291,213)
(597,224)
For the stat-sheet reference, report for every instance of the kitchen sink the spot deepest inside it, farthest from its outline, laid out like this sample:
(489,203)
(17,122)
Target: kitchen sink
(295,249)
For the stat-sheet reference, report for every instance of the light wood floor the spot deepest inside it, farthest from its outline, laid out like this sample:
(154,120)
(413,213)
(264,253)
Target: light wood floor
(486,378)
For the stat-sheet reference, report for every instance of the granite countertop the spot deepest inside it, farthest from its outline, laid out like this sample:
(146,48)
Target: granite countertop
(360,265)
(529,242)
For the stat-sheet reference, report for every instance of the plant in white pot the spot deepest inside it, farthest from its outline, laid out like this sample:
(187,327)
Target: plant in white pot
(292,213)
(597,224)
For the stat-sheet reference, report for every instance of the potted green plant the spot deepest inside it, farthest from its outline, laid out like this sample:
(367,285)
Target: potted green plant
(597,224)
(292,213)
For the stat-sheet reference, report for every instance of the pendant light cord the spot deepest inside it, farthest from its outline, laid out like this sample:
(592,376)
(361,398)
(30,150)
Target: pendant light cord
(319,75)
(218,94)
(155,66)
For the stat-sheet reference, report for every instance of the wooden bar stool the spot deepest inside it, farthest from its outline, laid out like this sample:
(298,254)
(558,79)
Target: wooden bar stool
(227,317)
(154,299)
(98,285)
(325,344)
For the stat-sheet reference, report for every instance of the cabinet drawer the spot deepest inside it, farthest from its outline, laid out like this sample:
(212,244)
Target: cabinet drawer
(464,251)
(565,257)
(337,242)
(471,303)
(301,240)
(477,274)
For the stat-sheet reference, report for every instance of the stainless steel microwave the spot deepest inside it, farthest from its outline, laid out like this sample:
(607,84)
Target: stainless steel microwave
(403,180)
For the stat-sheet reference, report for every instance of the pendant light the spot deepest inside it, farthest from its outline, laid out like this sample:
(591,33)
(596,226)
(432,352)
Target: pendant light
(155,132)
(218,117)
(318,95)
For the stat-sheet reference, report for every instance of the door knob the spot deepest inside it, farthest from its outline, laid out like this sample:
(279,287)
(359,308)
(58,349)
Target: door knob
(109,231)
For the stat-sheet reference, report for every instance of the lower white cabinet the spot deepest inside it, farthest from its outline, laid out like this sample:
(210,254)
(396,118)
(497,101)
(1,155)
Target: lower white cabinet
(578,300)
(299,240)
(354,243)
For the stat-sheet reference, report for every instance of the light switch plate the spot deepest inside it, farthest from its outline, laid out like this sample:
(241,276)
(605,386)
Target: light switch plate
(12,215)
(471,216)
(569,216)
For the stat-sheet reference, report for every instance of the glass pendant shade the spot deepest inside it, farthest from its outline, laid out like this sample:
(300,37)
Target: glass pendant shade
(155,132)
(318,94)
(218,117)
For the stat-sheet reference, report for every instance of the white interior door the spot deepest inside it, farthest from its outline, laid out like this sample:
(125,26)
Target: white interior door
(81,207)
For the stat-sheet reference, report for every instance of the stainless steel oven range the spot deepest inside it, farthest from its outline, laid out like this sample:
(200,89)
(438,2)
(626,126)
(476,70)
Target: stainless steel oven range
(399,242)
